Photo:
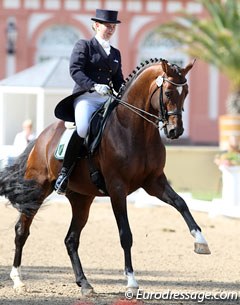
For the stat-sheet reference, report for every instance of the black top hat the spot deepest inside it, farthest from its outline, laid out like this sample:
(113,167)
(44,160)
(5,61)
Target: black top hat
(106,16)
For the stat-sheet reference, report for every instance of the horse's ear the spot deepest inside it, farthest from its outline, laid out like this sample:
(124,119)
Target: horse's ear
(188,67)
(166,66)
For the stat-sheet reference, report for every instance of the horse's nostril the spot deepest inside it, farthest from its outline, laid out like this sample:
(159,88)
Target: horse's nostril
(173,133)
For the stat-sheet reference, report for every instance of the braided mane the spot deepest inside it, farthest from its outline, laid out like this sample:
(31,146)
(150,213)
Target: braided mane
(138,70)
(142,67)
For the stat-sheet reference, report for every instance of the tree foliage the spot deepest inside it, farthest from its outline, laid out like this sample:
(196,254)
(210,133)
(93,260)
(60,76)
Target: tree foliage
(215,38)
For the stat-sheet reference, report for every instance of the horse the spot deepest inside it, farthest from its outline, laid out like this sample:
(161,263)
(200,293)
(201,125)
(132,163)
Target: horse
(131,155)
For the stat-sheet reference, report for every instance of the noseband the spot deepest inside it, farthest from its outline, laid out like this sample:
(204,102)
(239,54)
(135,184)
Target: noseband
(164,113)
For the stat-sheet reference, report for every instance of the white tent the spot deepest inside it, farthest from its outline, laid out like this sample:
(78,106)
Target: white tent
(33,93)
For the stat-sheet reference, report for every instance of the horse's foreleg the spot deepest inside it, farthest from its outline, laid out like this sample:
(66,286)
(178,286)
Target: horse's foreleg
(120,212)
(162,190)
(80,211)
(21,235)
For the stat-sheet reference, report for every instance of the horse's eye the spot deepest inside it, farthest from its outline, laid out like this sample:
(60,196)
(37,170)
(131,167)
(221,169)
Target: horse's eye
(168,94)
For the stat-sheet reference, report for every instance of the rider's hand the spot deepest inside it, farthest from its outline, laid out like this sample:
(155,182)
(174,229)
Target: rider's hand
(102,89)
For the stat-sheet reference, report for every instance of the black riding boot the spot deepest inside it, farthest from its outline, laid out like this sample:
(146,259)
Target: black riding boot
(72,152)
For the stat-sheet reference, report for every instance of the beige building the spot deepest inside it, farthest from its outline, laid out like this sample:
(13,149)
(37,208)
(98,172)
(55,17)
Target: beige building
(34,31)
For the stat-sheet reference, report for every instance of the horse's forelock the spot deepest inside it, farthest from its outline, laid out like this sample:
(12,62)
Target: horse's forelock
(172,69)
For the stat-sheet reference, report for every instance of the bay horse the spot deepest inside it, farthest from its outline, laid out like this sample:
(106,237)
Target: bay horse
(131,155)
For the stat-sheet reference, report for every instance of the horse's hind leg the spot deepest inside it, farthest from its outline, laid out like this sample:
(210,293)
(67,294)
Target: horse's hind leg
(80,211)
(21,235)
(32,198)
(160,188)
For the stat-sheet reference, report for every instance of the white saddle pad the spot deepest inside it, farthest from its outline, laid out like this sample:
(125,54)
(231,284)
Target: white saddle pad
(63,143)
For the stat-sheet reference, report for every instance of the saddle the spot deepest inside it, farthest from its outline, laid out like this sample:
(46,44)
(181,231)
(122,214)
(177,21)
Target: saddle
(97,125)
(94,135)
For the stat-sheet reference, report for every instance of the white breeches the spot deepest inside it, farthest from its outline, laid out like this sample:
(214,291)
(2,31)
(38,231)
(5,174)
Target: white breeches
(84,106)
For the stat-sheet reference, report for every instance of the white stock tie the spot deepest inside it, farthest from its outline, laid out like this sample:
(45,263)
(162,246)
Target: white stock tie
(106,46)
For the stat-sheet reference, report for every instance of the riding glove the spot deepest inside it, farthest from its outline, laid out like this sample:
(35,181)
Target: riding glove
(102,89)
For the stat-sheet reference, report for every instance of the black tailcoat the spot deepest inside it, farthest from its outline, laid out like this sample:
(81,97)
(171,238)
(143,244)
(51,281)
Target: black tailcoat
(89,65)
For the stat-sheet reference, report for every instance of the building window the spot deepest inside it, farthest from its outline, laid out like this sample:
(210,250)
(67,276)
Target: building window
(156,46)
(57,41)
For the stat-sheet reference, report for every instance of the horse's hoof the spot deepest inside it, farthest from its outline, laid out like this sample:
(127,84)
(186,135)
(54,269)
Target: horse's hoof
(201,248)
(20,288)
(87,291)
(131,292)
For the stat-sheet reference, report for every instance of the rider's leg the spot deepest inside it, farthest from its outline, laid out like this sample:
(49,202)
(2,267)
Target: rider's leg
(84,106)
(72,152)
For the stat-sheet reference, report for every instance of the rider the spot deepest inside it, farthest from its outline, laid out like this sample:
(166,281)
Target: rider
(95,66)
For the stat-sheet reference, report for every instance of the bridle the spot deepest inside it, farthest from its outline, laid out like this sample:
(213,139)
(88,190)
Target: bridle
(163,113)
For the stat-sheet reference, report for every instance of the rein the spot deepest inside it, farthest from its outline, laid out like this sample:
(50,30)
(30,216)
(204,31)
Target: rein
(139,111)
(163,113)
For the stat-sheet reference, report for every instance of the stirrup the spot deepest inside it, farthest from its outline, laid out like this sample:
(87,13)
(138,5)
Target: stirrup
(61,183)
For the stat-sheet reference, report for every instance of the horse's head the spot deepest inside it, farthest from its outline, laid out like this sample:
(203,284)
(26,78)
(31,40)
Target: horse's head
(168,94)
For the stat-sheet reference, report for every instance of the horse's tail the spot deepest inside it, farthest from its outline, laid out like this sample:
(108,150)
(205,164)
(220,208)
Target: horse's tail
(22,193)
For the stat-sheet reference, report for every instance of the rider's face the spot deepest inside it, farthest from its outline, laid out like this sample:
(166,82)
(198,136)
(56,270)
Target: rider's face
(105,30)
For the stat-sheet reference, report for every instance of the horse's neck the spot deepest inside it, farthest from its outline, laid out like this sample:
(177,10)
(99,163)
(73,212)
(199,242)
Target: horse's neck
(137,94)
(132,119)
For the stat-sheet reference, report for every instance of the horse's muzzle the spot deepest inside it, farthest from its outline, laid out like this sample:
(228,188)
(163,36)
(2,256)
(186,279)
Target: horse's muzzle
(172,132)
